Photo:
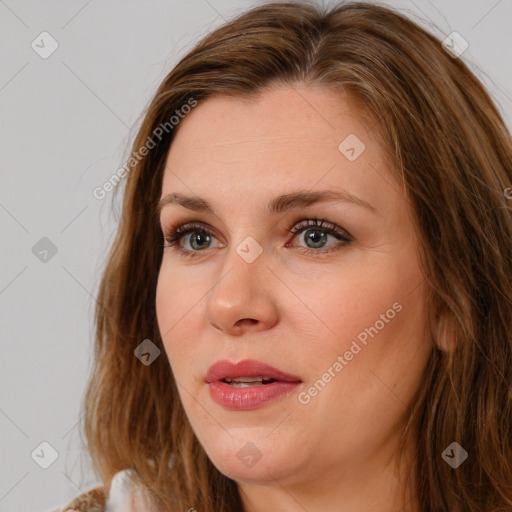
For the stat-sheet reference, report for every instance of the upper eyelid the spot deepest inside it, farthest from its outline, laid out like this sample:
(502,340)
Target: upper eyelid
(180,224)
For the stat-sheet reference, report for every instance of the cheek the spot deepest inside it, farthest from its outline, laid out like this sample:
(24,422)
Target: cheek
(170,308)
(339,306)
(176,294)
(362,317)
(179,307)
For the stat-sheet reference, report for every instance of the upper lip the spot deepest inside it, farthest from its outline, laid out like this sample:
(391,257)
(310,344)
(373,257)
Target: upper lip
(247,368)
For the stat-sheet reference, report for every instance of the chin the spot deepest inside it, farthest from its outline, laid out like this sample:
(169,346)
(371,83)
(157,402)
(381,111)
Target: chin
(246,459)
(266,469)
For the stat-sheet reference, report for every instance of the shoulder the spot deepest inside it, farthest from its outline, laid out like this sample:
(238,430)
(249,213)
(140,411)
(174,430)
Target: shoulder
(123,497)
(93,500)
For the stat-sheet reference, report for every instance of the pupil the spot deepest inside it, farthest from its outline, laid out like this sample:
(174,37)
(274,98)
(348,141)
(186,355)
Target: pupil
(315,239)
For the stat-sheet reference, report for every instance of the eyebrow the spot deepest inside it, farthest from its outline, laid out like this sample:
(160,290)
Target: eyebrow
(279,204)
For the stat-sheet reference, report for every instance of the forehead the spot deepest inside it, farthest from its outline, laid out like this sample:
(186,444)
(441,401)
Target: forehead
(285,137)
(276,116)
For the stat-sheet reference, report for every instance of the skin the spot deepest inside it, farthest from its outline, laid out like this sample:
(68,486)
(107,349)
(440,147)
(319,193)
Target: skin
(294,310)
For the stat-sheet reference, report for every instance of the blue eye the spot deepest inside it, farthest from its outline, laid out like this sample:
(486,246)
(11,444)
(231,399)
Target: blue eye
(177,234)
(317,232)
(316,236)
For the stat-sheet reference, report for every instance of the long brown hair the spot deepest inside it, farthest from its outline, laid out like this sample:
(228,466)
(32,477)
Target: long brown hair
(452,153)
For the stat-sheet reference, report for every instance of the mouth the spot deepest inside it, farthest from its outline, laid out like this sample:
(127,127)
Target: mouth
(248,384)
(247,373)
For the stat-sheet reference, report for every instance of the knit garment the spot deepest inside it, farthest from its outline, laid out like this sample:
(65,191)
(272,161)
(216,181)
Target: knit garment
(120,499)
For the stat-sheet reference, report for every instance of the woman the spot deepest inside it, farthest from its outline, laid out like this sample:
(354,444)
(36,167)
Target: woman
(307,305)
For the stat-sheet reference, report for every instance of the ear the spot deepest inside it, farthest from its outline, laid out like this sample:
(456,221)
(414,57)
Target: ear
(445,334)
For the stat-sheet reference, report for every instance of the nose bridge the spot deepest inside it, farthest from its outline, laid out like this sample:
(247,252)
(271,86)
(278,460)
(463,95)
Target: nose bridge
(240,294)
(240,272)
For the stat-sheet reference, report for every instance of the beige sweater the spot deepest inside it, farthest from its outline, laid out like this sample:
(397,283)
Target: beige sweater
(123,498)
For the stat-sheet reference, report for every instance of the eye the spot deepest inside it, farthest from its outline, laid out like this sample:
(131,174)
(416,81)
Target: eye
(316,234)
(178,236)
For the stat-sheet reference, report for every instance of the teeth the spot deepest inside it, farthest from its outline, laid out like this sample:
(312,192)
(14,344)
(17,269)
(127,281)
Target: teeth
(245,382)
(245,379)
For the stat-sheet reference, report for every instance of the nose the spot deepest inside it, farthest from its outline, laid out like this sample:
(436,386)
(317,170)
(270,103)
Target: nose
(241,299)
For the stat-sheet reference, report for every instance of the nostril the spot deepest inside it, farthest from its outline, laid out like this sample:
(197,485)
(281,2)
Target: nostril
(248,320)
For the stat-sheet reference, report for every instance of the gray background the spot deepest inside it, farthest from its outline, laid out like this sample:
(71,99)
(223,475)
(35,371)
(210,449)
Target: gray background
(66,125)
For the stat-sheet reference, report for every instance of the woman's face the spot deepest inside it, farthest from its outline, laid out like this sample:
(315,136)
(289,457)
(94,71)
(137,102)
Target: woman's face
(337,306)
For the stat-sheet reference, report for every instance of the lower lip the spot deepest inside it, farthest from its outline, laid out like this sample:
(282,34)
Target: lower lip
(242,399)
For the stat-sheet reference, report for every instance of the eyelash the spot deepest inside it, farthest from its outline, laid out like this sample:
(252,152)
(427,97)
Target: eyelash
(177,232)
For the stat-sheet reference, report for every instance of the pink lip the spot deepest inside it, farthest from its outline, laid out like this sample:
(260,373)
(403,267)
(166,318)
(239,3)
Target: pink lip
(247,368)
(239,399)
